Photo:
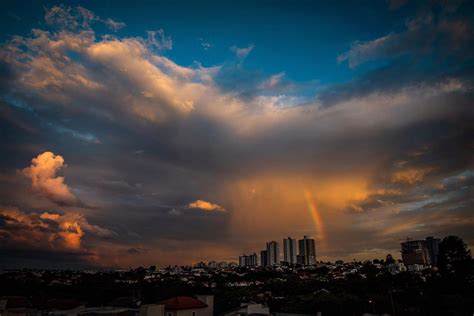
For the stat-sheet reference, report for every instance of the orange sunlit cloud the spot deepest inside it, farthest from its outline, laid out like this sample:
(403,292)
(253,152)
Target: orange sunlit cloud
(42,173)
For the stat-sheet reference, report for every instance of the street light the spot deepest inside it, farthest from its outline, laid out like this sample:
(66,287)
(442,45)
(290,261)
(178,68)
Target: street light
(373,305)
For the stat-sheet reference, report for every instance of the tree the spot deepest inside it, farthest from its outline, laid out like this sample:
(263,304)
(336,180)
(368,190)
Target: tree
(389,259)
(454,257)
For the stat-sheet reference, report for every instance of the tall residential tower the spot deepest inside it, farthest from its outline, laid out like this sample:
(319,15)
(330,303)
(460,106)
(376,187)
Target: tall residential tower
(289,250)
(273,253)
(307,251)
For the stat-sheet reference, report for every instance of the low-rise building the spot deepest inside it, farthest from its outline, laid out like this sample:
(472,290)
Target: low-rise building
(248,309)
(203,305)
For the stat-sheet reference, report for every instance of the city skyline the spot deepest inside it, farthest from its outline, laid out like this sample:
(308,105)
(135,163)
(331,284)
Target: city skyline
(271,255)
(169,132)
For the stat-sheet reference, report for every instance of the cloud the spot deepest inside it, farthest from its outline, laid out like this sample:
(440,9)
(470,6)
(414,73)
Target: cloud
(77,18)
(42,173)
(114,25)
(162,42)
(175,212)
(206,45)
(396,4)
(46,231)
(206,206)
(70,18)
(409,176)
(242,52)
(431,33)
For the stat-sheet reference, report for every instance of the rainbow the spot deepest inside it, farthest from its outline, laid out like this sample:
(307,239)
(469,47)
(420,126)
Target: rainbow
(315,214)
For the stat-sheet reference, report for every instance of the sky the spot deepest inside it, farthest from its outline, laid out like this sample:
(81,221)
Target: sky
(173,132)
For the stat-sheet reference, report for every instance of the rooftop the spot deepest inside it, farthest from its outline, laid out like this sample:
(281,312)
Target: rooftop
(182,302)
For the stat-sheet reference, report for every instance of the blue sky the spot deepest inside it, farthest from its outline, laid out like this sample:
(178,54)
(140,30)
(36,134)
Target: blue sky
(302,39)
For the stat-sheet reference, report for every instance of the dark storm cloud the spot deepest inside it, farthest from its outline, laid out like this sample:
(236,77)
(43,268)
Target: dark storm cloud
(437,31)
(50,238)
(16,258)
(6,75)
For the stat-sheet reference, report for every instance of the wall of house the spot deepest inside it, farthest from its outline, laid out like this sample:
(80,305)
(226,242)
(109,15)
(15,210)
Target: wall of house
(152,310)
(209,300)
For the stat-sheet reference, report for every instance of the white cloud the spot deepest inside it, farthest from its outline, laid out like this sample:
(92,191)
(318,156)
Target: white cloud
(206,206)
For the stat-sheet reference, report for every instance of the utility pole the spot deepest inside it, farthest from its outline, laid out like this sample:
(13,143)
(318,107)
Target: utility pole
(391,301)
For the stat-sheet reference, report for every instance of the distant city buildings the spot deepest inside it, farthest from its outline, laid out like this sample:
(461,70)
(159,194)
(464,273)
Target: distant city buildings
(396,267)
(289,250)
(420,252)
(222,265)
(270,256)
(248,261)
(212,265)
(232,265)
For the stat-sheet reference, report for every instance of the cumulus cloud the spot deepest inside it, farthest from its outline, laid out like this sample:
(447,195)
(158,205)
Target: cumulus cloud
(44,180)
(206,206)
(47,230)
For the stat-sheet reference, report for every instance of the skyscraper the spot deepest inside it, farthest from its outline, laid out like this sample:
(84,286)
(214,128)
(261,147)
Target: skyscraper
(424,252)
(415,252)
(263,258)
(273,253)
(289,250)
(252,260)
(433,247)
(242,260)
(307,251)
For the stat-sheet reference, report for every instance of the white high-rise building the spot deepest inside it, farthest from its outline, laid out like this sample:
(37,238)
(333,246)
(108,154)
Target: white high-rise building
(289,250)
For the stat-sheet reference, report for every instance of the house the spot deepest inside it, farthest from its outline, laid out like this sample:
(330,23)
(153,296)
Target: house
(96,311)
(249,308)
(16,306)
(203,305)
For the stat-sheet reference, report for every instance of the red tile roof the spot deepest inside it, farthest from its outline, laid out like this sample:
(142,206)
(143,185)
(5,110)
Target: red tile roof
(182,302)
(17,302)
